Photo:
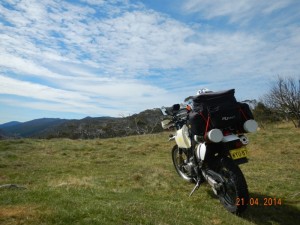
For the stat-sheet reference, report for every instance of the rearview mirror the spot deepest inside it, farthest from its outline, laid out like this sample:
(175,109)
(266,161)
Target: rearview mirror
(176,107)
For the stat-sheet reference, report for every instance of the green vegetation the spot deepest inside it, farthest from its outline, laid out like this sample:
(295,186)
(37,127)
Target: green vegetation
(131,180)
(145,122)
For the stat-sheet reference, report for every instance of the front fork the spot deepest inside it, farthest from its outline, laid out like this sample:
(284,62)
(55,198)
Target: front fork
(180,158)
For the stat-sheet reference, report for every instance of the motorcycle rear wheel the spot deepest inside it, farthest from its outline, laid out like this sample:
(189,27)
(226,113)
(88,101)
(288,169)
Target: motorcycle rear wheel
(180,163)
(234,194)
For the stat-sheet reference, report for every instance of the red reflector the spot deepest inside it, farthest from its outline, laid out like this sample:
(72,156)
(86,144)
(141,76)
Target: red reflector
(238,144)
(226,133)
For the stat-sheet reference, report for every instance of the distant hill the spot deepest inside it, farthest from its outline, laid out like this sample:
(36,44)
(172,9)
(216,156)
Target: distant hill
(9,124)
(30,128)
(2,135)
(145,122)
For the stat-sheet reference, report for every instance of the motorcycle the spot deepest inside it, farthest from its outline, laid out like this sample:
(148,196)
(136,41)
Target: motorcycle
(213,157)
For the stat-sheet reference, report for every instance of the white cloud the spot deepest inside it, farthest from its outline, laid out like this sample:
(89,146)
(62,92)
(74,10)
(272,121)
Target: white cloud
(26,66)
(238,11)
(133,42)
(87,96)
(37,91)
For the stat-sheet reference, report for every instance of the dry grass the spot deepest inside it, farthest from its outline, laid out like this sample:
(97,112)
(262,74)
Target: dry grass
(19,214)
(72,181)
(132,181)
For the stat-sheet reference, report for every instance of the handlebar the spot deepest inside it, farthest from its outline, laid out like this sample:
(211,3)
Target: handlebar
(177,115)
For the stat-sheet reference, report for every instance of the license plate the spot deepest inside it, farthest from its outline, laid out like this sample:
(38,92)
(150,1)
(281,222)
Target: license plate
(238,153)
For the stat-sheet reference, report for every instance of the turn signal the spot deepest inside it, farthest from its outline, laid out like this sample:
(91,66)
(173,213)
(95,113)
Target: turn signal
(214,135)
(250,126)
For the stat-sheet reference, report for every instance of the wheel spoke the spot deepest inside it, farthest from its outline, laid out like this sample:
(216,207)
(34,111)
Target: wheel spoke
(229,190)
(234,186)
(179,161)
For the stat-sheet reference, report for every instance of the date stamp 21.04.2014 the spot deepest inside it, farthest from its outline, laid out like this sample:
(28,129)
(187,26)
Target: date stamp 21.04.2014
(267,201)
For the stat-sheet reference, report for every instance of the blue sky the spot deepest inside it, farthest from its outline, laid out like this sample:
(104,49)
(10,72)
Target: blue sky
(72,59)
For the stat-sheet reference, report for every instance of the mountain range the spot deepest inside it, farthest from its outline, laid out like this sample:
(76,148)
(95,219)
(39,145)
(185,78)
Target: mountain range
(144,122)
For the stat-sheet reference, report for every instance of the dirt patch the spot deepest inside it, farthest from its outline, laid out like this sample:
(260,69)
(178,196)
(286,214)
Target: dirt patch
(73,182)
(2,177)
(17,211)
(11,215)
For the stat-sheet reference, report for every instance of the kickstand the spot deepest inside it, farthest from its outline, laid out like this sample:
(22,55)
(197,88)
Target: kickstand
(195,188)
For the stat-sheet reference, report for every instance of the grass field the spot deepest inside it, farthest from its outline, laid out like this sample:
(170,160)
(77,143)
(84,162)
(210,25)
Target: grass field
(132,181)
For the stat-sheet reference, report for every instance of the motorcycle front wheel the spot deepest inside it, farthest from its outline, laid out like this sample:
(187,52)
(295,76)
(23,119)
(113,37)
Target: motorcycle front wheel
(180,162)
(233,194)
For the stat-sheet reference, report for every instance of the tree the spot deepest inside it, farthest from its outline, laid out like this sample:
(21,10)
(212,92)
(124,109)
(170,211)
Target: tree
(264,115)
(284,98)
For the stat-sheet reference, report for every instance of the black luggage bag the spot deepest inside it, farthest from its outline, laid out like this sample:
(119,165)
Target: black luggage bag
(218,110)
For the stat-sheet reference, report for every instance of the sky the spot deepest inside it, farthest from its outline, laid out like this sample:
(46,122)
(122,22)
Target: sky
(72,59)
